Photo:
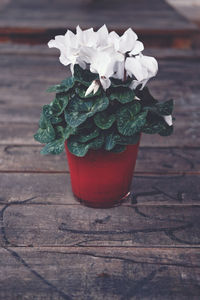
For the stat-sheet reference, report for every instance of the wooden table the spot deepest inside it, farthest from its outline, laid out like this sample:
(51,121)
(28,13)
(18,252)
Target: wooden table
(54,248)
(155,21)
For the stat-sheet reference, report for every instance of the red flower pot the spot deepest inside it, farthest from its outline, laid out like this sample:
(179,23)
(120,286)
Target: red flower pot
(102,179)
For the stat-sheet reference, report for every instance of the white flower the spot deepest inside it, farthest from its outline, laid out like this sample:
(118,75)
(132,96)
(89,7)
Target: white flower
(168,120)
(107,54)
(126,43)
(68,45)
(142,68)
(103,62)
(94,86)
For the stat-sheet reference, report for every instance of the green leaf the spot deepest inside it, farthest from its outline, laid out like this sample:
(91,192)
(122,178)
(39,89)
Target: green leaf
(157,124)
(166,131)
(97,143)
(122,94)
(65,132)
(117,82)
(146,98)
(46,133)
(80,91)
(165,108)
(129,140)
(79,109)
(80,149)
(85,77)
(132,125)
(86,135)
(68,82)
(65,86)
(104,120)
(68,131)
(59,104)
(48,113)
(99,104)
(119,148)
(75,118)
(129,121)
(152,128)
(54,147)
(42,121)
(111,140)
(77,148)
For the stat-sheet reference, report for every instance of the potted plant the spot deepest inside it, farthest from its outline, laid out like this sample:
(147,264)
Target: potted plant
(99,113)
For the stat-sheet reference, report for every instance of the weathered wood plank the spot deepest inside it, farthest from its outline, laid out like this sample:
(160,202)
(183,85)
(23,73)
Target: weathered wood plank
(17,133)
(53,15)
(99,273)
(189,9)
(73,225)
(56,189)
(158,160)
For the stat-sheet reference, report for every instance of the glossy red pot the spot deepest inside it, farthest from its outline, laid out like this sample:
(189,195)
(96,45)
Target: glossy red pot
(102,179)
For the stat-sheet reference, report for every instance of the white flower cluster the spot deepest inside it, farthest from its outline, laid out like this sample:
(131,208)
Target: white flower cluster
(107,54)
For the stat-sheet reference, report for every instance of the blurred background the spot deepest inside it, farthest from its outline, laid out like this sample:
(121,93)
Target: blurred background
(156,21)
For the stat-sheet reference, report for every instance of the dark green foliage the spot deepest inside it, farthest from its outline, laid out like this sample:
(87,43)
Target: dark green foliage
(85,77)
(111,140)
(81,89)
(165,108)
(79,110)
(104,120)
(119,148)
(80,149)
(122,94)
(55,147)
(118,83)
(85,135)
(108,120)
(46,132)
(130,119)
(65,86)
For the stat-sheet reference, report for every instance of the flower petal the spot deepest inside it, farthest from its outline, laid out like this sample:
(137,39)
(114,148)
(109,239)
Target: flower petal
(113,39)
(127,41)
(105,82)
(151,64)
(94,86)
(139,47)
(134,66)
(168,120)
(59,43)
(102,36)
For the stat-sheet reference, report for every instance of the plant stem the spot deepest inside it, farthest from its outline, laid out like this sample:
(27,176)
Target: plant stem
(124,74)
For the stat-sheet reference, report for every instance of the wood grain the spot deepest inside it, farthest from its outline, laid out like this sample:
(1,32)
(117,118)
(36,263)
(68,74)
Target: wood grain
(61,15)
(55,189)
(73,225)
(90,273)
(19,158)
(38,22)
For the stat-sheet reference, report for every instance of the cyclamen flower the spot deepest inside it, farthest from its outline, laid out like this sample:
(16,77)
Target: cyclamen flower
(142,67)
(106,54)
